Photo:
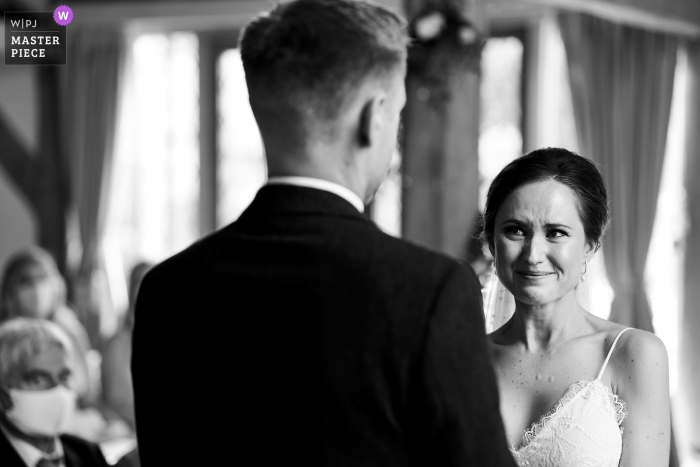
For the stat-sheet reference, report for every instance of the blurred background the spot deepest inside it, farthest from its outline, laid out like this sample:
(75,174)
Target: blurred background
(145,142)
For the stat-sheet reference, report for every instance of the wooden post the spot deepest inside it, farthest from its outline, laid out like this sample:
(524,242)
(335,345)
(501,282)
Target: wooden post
(440,153)
(689,414)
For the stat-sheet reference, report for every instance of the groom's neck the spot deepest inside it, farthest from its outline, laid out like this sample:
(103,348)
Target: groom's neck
(323,163)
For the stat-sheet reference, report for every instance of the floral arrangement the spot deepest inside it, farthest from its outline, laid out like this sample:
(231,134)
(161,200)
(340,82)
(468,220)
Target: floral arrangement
(444,42)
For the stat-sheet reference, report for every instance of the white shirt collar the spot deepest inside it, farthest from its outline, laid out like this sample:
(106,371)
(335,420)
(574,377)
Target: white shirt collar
(30,454)
(308,182)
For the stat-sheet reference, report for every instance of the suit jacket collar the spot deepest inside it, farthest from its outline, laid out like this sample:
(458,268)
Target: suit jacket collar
(9,456)
(320,184)
(300,201)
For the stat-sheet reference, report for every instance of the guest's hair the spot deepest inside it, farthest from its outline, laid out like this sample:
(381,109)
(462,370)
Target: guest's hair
(15,267)
(24,338)
(305,59)
(563,166)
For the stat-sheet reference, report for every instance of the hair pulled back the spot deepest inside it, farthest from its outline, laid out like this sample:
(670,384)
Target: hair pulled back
(563,166)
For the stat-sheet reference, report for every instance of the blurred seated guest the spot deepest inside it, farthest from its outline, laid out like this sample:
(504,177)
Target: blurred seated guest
(37,400)
(32,287)
(116,362)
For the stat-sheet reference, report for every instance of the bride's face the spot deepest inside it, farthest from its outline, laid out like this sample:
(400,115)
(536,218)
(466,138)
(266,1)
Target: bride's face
(539,242)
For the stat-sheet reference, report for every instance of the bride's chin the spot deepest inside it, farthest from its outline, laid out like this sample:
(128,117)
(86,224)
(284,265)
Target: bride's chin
(531,299)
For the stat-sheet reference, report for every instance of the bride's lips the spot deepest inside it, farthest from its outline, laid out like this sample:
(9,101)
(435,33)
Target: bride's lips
(534,275)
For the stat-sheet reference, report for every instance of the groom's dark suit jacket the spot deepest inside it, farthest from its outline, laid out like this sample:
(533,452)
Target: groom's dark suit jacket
(303,334)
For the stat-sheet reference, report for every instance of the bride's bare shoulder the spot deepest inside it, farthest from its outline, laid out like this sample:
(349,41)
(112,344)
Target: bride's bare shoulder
(631,342)
(607,330)
(638,350)
(640,379)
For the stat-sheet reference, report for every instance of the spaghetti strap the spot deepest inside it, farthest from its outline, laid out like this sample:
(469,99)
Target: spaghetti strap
(610,352)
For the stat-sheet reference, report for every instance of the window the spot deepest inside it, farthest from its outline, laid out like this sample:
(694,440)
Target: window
(240,154)
(155,185)
(500,134)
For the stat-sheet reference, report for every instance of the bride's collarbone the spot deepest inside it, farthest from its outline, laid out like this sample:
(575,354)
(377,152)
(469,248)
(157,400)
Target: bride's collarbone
(532,384)
(576,354)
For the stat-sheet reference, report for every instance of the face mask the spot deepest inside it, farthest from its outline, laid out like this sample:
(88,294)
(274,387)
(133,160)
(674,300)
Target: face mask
(44,413)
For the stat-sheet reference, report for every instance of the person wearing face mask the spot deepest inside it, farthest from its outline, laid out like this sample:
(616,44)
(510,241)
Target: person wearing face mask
(32,287)
(37,400)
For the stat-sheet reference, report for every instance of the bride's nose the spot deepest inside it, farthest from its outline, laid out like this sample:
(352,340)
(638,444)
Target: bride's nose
(534,250)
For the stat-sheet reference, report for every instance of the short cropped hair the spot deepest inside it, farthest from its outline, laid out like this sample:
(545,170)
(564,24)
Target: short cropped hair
(24,338)
(304,59)
(563,166)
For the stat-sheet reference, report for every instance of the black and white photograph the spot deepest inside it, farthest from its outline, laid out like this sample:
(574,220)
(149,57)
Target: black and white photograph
(350,233)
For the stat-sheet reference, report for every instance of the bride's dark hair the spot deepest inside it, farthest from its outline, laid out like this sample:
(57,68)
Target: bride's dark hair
(566,167)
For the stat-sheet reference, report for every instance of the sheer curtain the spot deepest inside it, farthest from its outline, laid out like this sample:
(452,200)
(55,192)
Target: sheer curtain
(690,320)
(622,85)
(90,84)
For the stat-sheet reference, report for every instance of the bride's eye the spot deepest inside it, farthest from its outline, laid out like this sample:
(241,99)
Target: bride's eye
(556,233)
(513,231)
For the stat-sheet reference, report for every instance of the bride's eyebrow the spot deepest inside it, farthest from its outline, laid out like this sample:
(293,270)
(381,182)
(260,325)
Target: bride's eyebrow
(555,226)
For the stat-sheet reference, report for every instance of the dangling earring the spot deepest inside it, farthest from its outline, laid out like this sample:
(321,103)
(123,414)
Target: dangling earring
(585,269)
(495,267)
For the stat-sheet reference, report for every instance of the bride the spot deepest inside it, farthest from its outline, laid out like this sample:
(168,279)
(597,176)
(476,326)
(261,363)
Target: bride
(575,390)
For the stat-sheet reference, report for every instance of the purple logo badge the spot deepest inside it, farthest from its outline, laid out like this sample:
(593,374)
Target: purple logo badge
(63,15)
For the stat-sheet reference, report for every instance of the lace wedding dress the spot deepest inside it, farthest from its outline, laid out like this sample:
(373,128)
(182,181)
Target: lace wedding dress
(583,429)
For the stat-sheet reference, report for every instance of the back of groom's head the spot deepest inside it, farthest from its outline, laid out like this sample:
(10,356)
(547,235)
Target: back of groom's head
(305,60)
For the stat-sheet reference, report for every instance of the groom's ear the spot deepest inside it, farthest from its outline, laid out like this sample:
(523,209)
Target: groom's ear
(370,120)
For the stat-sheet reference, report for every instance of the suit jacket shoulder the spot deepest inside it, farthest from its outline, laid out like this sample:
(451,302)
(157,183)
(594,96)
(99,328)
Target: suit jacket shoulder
(345,237)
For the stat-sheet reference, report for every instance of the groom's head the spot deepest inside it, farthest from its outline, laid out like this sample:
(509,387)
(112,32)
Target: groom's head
(326,85)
